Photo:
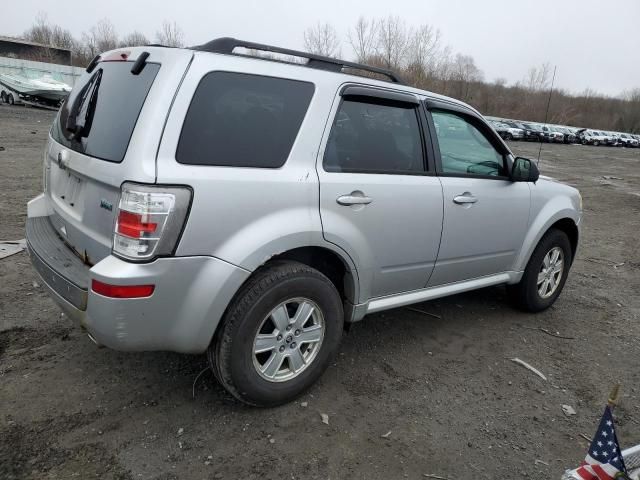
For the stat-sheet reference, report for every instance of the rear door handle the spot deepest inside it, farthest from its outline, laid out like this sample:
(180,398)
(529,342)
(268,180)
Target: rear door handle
(466,197)
(352,199)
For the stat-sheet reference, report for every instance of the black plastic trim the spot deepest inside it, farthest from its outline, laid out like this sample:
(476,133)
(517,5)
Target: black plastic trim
(226,45)
(60,268)
(140,63)
(361,91)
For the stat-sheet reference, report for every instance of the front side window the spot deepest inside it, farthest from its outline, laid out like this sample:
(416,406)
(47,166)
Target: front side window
(464,149)
(242,120)
(374,136)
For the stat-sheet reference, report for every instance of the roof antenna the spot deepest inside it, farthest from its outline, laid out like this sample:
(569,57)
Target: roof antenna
(546,115)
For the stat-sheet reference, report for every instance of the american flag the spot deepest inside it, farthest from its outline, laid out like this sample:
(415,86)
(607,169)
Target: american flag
(604,460)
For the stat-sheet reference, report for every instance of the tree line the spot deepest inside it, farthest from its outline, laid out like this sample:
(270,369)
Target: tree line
(423,60)
(99,38)
(418,54)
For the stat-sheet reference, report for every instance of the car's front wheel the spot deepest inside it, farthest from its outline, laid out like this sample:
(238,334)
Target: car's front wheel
(545,274)
(279,334)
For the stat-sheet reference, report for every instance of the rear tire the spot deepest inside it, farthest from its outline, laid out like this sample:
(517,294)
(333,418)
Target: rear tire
(263,316)
(509,136)
(542,281)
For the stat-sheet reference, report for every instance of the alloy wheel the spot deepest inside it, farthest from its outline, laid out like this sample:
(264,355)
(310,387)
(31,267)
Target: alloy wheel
(288,340)
(550,272)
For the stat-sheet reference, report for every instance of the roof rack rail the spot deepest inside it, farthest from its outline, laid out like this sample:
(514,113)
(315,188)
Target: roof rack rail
(227,45)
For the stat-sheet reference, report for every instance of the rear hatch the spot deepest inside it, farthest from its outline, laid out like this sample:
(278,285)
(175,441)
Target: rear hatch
(106,133)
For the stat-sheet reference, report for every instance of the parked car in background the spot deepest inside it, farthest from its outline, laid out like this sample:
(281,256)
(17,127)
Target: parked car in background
(528,133)
(595,138)
(536,130)
(585,136)
(567,134)
(552,135)
(507,132)
(627,140)
(616,142)
(172,233)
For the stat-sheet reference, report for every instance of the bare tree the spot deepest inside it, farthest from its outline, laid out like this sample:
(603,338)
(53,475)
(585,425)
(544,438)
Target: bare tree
(322,39)
(45,33)
(423,52)
(538,77)
(170,35)
(100,38)
(134,39)
(363,39)
(393,40)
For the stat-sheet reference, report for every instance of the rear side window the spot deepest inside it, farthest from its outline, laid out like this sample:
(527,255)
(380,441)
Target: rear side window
(374,136)
(99,116)
(241,120)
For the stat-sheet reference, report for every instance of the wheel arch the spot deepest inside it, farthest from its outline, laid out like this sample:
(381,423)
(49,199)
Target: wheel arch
(563,217)
(336,266)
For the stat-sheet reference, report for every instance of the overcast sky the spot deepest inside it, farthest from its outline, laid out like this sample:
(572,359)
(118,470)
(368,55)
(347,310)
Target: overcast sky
(595,44)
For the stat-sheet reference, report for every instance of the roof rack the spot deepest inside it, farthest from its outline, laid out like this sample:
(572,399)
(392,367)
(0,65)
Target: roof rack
(227,45)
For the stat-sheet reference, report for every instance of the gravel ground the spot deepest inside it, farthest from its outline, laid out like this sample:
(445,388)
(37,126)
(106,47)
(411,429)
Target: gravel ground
(409,394)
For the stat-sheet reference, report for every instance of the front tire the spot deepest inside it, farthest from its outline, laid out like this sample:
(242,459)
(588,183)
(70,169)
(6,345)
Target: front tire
(279,334)
(10,99)
(545,274)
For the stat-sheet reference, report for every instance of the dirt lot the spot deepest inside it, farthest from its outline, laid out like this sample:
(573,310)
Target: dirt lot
(445,389)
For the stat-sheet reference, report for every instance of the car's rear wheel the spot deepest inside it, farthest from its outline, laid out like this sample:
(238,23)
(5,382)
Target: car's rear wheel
(279,334)
(508,136)
(545,274)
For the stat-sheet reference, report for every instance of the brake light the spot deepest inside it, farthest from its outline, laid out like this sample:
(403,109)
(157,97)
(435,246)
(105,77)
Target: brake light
(134,225)
(122,291)
(116,57)
(149,220)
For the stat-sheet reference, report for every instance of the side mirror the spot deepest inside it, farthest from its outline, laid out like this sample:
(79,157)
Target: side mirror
(524,170)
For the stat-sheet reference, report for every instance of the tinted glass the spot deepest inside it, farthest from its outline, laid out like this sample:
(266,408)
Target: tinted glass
(101,112)
(464,149)
(240,120)
(368,136)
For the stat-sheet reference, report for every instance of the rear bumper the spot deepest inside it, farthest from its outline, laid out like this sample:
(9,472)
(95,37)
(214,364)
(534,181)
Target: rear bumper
(190,297)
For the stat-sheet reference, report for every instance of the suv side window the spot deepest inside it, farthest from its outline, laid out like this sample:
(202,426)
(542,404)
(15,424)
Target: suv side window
(464,149)
(242,120)
(372,135)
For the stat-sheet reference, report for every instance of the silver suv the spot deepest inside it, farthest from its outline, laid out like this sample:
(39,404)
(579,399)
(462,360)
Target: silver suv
(204,200)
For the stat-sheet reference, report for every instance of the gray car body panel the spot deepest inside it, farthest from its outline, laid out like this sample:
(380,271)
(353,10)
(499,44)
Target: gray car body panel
(410,244)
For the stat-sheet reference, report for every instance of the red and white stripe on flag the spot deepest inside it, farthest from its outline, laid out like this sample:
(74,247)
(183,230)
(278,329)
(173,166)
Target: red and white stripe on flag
(592,469)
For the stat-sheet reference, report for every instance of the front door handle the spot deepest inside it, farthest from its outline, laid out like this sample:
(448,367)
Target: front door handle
(354,199)
(466,197)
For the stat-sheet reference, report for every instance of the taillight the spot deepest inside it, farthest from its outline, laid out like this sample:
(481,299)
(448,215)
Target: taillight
(149,220)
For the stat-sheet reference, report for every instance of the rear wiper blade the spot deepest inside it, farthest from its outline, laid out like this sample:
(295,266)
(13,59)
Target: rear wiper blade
(88,91)
(91,108)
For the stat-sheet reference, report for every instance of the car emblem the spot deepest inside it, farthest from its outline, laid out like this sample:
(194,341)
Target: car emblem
(106,205)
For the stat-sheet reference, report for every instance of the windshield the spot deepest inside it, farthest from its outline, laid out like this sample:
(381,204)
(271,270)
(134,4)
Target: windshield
(101,112)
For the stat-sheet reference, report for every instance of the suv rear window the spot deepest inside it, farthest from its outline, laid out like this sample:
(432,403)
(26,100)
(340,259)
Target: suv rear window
(99,116)
(242,120)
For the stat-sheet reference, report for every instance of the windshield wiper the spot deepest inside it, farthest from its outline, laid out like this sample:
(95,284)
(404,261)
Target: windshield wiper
(90,90)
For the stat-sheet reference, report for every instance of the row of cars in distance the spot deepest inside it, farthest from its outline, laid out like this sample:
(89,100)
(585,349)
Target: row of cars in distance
(537,132)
